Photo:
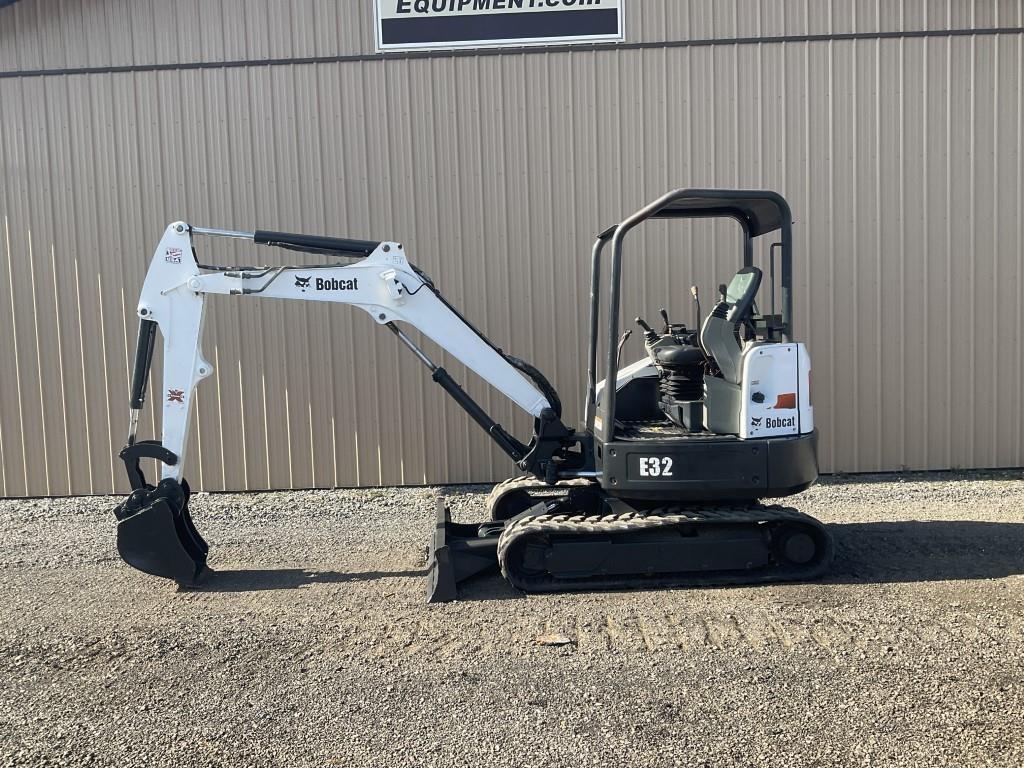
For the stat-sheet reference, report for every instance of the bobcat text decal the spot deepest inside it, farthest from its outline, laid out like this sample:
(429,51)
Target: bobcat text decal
(327,283)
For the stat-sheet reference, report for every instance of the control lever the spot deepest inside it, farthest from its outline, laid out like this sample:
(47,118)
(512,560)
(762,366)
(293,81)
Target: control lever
(649,334)
(664,316)
(622,342)
(722,289)
(695,292)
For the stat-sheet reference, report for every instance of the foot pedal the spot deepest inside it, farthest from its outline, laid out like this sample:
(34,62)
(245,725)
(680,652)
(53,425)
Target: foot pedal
(156,535)
(459,551)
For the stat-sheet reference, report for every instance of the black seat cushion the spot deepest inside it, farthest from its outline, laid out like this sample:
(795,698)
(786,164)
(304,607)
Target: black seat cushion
(679,356)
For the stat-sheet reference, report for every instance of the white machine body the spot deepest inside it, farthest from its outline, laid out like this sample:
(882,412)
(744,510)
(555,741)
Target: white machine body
(775,391)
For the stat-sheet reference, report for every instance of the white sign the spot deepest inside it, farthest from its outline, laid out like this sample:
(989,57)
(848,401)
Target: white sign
(404,25)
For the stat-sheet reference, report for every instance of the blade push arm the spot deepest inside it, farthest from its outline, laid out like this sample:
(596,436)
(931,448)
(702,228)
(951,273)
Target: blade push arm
(382,283)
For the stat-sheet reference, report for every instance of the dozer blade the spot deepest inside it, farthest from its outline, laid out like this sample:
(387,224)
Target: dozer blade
(155,534)
(458,552)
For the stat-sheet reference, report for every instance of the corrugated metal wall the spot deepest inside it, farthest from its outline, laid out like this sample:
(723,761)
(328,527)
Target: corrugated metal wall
(901,156)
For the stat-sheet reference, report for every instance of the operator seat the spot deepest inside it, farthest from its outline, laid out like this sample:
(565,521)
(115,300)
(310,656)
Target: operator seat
(720,334)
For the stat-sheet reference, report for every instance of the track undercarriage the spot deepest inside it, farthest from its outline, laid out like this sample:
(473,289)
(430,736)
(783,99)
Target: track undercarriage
(573,536)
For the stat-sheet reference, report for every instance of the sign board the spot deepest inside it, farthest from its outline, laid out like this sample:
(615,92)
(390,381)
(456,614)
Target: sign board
(405,25)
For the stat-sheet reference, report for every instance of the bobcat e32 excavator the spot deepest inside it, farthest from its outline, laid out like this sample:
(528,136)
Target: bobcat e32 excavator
(659,486)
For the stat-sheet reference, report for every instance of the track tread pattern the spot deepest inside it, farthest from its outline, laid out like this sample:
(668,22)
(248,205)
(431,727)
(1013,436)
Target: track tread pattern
(547,523)
(530,484)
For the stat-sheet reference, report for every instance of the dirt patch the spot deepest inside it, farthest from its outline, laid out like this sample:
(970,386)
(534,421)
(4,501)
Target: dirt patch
(311,645)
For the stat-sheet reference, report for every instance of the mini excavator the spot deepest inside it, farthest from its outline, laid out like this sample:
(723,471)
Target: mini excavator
(662,484)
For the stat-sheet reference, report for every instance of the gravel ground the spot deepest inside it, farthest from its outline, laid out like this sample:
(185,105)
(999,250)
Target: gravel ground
(311,644)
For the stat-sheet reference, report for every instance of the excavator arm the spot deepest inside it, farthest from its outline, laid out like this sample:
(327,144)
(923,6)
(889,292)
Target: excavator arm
(155,531)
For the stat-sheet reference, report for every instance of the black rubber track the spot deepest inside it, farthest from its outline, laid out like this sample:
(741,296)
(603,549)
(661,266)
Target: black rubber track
(544,524)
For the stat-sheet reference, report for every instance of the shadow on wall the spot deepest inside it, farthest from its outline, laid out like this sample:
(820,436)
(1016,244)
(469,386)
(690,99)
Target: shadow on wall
(866,553)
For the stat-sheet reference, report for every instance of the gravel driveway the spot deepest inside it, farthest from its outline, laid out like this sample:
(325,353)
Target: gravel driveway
(311,645)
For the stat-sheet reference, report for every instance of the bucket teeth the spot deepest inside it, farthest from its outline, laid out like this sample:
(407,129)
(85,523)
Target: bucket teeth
(156,535)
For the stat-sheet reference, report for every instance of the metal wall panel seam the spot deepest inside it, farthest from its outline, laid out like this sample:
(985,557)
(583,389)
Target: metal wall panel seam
(464,454)
(530,337)
(926,195)
(396,81)
(972,217)
(39,364)
(232,324)
(279,345)
(5,434)
(28,378)
(315,161)
(858,460)
(234,412)
(506,164)
(323,99)
(994,341)
(879,264)
(17,356)
(106,376)
(949,234)
(551,263)
(374,354)
(1019,455)
(576,236)
(17,353)
(3,447)
(85,401)
(417,100)
(424,231)
(264,363)
(98,138)
(113,255)
(488,285)
(63,420)
(830,129)
(396,91)
(357,417)
(40,391)
(901,176)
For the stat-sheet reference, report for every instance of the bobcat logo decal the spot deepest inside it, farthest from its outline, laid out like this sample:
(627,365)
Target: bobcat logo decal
(302,283)
(756,421)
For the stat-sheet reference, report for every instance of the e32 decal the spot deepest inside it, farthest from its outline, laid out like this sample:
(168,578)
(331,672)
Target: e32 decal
(655,466)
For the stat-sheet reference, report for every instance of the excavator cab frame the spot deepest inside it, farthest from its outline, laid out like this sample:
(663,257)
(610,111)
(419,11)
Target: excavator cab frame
(720,464)
(758,212)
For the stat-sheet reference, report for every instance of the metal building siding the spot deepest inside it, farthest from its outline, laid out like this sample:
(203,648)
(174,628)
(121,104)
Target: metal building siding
(47,34)
(901,157)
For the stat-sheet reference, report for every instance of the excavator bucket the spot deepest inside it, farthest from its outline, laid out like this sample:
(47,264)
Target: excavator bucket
(155,533)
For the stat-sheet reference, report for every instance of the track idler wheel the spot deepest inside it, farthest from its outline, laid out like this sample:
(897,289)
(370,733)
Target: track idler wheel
(155,533)
(800,545)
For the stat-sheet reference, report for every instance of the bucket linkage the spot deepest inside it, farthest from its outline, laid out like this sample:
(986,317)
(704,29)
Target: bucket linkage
(155,532)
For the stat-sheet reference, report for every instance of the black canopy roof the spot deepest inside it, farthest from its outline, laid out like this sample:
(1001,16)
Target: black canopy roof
(760,211)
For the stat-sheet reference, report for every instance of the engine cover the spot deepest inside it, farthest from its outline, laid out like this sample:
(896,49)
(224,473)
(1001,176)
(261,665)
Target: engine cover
(775,391)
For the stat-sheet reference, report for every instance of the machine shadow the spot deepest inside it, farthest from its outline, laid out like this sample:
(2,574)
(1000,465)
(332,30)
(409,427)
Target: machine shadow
(259,580)
(934,550)
(893,552)
(880,553)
